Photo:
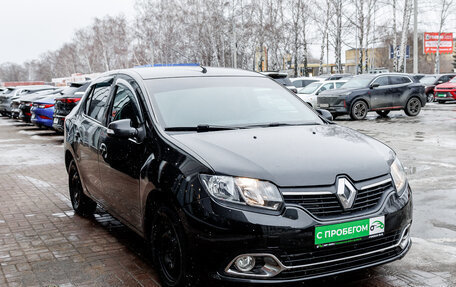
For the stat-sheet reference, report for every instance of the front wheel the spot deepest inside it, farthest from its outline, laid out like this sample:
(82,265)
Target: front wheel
(168,247)
(82,204)
(413,107)
(359,110)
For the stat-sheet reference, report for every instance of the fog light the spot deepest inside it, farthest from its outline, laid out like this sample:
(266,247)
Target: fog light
(245,263)
(405,239)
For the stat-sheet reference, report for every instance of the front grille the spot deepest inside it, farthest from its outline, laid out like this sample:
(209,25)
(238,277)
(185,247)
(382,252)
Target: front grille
(327,255)
(330,100)
(328,205)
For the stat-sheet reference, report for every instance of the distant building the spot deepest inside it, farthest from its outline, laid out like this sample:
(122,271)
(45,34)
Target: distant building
(26,83)
(74,78)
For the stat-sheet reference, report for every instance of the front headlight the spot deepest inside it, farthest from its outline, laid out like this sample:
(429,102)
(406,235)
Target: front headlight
(243,190)
(399,177)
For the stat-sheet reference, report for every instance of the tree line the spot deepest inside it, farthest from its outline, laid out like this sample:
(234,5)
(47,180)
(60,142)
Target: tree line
(228,33)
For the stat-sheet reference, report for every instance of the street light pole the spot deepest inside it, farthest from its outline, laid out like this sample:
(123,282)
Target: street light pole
(415,36)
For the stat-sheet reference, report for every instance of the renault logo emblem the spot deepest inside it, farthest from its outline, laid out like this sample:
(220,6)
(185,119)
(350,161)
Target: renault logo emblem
(346,193)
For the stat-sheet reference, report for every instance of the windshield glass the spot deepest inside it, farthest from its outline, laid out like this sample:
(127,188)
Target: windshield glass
(357,83)
(428,80)
(226,101)
(8,91)
(453,80)
(309,89)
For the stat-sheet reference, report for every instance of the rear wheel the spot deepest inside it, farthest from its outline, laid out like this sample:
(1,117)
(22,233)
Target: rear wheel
(382,113)
(359,110)
(82,204)
(413,107)
(168,247)
(430,98)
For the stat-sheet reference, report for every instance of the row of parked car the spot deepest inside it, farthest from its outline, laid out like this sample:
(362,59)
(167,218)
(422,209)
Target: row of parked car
(43,105)
(342,94)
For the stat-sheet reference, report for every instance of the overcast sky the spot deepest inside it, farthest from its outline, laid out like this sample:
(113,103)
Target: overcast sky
(31,27)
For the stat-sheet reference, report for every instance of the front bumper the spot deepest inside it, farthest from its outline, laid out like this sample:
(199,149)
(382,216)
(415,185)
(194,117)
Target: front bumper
(289,237)
(448,96)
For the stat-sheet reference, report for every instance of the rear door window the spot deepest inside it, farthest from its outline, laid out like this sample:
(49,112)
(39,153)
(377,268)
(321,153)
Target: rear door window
(97,101)
(398,80)
(338,85)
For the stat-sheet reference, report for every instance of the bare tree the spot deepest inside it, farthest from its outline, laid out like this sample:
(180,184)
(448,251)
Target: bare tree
(405,26)
(445,6)
(336,32)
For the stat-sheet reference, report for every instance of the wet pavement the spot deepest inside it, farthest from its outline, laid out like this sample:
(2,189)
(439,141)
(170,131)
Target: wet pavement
(42,242)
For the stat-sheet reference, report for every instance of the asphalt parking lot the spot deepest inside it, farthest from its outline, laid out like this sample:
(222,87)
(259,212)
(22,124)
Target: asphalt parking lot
(42,242)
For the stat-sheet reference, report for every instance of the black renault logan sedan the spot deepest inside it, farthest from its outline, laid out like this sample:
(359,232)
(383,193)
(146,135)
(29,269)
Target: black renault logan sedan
(227,174)
(380,93)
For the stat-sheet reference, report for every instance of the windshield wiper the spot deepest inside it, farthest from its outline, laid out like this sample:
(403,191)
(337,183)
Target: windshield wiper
(279,124)
(201,128)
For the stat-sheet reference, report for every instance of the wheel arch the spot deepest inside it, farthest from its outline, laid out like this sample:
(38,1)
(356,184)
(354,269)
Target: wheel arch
(68,158)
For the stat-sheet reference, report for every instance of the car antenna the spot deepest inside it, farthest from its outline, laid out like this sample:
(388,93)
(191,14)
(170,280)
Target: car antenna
(203,69)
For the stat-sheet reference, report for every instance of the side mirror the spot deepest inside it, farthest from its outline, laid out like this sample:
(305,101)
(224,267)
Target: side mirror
(122,129)
(325,114)
(374,85)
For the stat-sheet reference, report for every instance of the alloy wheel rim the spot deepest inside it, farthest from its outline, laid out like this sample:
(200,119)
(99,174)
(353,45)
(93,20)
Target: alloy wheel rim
(413,106)
(360,110)
(76,190)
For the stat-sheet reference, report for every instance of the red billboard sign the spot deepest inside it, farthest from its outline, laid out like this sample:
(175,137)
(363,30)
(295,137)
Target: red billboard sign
(431,41)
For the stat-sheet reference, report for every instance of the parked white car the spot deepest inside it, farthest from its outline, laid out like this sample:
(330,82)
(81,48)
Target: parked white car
(302,82)
(310,92)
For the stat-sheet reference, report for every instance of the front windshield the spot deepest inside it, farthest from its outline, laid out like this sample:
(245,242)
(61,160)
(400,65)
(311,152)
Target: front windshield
(357,83)
(309,89)
(428,80)
(226,101)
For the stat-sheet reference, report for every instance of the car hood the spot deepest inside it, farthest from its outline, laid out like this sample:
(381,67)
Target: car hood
(291,156)
(447,85)
(336,92)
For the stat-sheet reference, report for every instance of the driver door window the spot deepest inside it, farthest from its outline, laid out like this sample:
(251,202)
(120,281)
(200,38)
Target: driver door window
(325,87)
(125,106)
(381,81)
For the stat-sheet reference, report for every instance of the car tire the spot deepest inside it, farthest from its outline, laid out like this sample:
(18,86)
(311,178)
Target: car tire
(168,247)
(430,98)
(81,203)
(413,107)
(358,110)
(382,113)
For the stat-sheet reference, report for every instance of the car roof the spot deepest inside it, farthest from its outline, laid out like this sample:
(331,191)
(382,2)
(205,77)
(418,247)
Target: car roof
(307,78)
(190,71)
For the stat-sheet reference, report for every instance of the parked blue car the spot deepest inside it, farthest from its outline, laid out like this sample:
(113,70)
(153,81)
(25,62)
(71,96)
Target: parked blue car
(43,111)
